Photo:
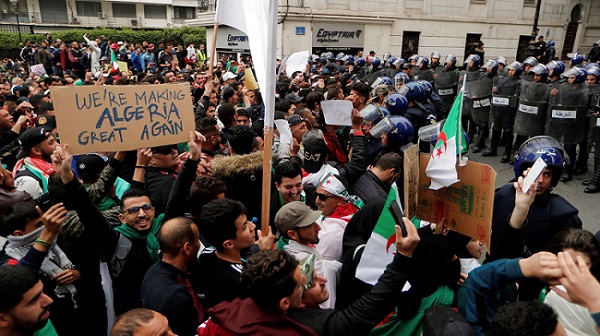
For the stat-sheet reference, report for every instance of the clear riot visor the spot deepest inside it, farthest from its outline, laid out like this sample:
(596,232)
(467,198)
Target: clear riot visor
(371,112)
(403,90)
(571,72)
(489,64)
(399,82)
(450,59)
(539,69)
(552,65)
(383,127)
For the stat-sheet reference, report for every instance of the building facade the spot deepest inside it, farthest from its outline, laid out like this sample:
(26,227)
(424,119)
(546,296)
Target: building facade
(41,16)
(406,27)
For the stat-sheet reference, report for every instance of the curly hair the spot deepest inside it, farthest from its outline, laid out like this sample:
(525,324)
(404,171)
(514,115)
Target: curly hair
(526,318)
(241,139)
(269,277)
(204,189)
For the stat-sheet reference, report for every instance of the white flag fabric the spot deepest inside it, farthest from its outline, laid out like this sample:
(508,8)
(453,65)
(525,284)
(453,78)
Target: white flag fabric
(258,20)
(296,62)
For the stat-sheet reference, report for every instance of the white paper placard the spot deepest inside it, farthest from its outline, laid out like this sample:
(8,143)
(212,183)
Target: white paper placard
(337,112)
(285,133)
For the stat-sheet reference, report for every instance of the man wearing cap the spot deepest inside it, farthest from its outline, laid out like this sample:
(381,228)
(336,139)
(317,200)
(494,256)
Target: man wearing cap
(229,78)
(338,207)
(229,95)
(299,233)
(379,94)
(161,174)
(35,164)
(48,123)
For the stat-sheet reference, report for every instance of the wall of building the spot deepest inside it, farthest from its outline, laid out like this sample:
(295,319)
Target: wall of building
(443,24)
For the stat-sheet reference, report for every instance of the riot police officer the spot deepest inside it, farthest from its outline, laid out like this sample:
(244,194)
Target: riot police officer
(528,64)
(472,75)
(593,81)
(445,79)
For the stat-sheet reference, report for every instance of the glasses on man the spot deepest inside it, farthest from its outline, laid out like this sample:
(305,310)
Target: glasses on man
(323,197)
(134,210)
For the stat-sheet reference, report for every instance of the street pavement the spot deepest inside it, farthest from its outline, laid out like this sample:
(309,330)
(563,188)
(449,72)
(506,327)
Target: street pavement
(588,204)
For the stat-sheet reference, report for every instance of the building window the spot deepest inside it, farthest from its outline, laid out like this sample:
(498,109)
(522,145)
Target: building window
(184,12)
(155,12)
(86,8)
(473,46)
(410,43)
(124,10)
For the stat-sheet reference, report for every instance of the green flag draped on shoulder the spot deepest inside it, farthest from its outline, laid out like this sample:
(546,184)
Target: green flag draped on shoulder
(442,166)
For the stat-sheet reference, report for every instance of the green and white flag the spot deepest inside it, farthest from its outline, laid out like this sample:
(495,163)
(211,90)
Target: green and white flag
(451,141)
(114,61)
(381,246)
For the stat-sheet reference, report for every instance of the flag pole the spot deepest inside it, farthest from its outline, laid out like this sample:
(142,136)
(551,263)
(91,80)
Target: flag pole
(266,180)
(213,49)
(461,161)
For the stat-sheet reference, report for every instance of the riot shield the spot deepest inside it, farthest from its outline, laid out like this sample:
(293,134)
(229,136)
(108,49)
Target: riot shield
(479,92)
(504,101)
(595,112)
(446,85)
(467,106)
(424,74)
(532,109)
(566,118)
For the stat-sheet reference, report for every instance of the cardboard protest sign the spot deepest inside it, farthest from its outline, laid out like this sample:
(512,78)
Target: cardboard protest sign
(110,118)
(411,180)
(466,205)
(37,69)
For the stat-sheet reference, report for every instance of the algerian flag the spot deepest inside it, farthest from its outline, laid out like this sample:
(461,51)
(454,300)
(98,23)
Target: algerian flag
(442,166)
(113,60)
(381,246)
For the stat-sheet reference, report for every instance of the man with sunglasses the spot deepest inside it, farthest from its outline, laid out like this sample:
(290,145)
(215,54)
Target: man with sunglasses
(161,174)
(132,247)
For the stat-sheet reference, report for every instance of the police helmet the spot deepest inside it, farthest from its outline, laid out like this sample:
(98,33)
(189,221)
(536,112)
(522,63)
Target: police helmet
(551,44)
(579,73)
(360,61)
(541,70)
(386,56)
(428,88)
(386,80)
(376,62)
(424,61)
(330,56)
(323,60)
(414,91)
(401,78)
(413,57)
(396,103)
(517,66)
(546,148)
(390,61)
(491,64)
(398,62)
(557,67)
(501,60)
(591,65)
(476,61)
(576,59)
(374,113)
(435,54)
(340,56)
(403,133)
(532,61)
(350,58)
(450,58)
(595,71)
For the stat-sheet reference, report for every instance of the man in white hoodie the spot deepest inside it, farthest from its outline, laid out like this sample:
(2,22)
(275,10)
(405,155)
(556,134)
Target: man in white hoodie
(95,55)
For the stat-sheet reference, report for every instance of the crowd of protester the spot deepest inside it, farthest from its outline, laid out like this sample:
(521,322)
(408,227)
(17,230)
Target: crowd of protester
(166,240)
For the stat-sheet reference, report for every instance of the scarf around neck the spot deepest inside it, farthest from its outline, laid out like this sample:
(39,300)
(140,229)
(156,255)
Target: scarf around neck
(38,167)
(55,262)
(149,236)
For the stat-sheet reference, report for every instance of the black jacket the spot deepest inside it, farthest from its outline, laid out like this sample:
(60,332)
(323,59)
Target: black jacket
(547,216)
(127,285)
(276,203)
(365,313)
(159,182)
(163,292)
(369,187)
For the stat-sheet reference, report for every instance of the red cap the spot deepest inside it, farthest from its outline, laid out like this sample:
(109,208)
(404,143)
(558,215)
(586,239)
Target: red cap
(114,46)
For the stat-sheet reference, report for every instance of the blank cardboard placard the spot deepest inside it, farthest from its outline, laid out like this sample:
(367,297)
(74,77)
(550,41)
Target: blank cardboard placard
(467,205)
(337,112)
(111,118)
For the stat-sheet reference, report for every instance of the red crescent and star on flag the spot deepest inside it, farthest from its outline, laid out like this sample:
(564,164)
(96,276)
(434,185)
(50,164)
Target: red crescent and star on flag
(442,137)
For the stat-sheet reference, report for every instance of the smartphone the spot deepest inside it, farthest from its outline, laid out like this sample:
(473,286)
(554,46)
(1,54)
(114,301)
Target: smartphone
(397,213)
(536,170)
(45,202)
